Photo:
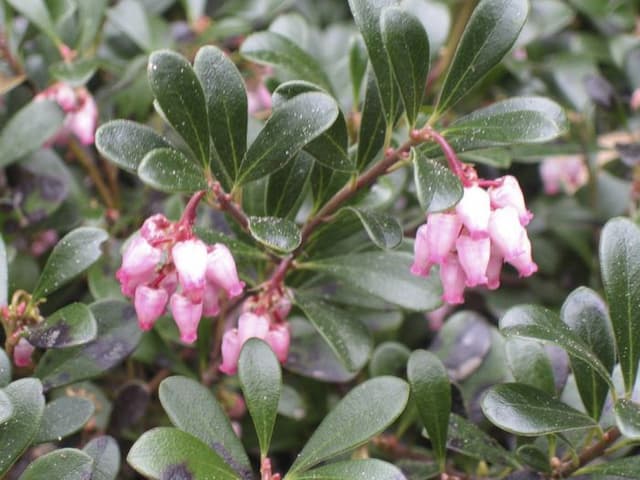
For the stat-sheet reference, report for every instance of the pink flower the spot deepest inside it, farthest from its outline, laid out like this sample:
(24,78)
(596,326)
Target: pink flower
(474,210)
(523,262)
(155,228)
(22,353)
(634,102)
(279,339)
(473,256)
(221,270)
(509,194)
(282,308)
(564,172)
(421,264)
(453,280)
(230,350)
(139,263)
(150,304)
(190,260)
(494,268)
(187,316)
(442,233)
(507,233)
(251,325)
(210,301)
(258,98)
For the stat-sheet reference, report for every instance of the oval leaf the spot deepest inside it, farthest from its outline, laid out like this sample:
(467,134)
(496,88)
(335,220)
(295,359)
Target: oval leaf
(36,12)
(62,417)
(126,143)
(77,251)
(291,126)
(67,463)
(6,408)
(171,453)
(431,392)
(169,170)
(277,233)
(367,469)
(407,45)
(491,31)
(287,187)
(364,412)
(383,229)
(437,187)
(261,382)
(68,327)
(106,457)
(530,364)
(204,419)
(373,129)
(525,410)
(179,94)
(628,467)
(628,418)
(620,267)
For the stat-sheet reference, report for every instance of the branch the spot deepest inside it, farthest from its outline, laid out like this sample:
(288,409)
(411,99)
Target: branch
(588,454)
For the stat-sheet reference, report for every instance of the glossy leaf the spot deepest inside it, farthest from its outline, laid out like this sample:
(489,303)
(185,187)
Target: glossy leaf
(620,267)
(106,457)
(270,48)
(358,59)
(525,410)
(126,143)
(261,380)
(36,12)
(277,233)
(431,393)
(287,186)
(291,126)
(364,412)
(382,228)
(407,45)
(169,170)
(62,417)
(77,251)
(347,337)
(171,453)
(204,419)
(68,327)
(365,469)
(628,418)
(627,467)
(490,32)
(586,314)
(6,408)
(373,128)
(5,369)
(226,106)
(28,129)
(118,336)
(530,364)
(4,275)
(179,93)
(16,433)
(67,463)
(437,187)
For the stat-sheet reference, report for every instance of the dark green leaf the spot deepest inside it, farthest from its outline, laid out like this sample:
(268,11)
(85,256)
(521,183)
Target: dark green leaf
(16,433)
(5,369)
(67,463)
(4,275)
(277,233)
(431,393)
(364,412)
(36,12)
(169,170)
(367,469)
(325,182)
(130,17)
(75,74)
(90,16)
(389,358)
(347,337)
(270,48)
(525,410)
(291,126)
(204,419)
(126,143)
(261,380)
(106,457)
(437,187)
(62,417)
(76,252)
(226,105)
(407,44)
(68,327)
(628,467)
(358,59)
(533,457)
(586,314)
(491,31)
(620,267)
(530,364)
(118,336)
(179,94)
(628,418)
(171,453)
(373,128)
(6,408)
(28,130)
(286,187)
(382,228)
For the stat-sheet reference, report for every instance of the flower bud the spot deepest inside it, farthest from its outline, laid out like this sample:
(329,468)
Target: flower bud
(494,268)
(210,301)
(251,325)
(279,339)
(453,280)
(421,264)
(155,228)
(507,233)
(190,259)
(441,235)
(221,270)
(523,262)
(230,350)
(149,304)
(473,256)
(187,316)
(139,263)
(474,210)
(22,353)
(509,194)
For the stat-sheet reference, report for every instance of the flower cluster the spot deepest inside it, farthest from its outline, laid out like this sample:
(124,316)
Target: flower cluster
(80,109)
(166,264)
(472,242)
(563,173)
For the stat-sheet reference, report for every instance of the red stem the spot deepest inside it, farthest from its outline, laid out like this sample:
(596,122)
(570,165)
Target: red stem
(189,215)
(452,158)
(228,205)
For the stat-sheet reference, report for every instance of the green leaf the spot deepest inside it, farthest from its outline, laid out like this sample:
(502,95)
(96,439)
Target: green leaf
(628,467)
(346,336)
(77,251)
(364,412)
(373,128)
(6,408)
(366,469)
(68,327)
(407,45)
(291,126)
(126,143)
(169,170)
(525,410)
(530,364)
(358,59)
(171,453)
(130,17)
(106,457)
(489,34)
(16,433)
(531,321)
(389,358)
(62,417)
(270,48)
(118,336)
(431,393)
(179,93)
(28,129)
(437,187)
(587,316)
(226,106)
(5,369)
(620,267)
(36,12)
(67,463)
(74,74)
(204,419)
(195,9)
(90,18)
(383,229)
(628,418)
(287,186)
(4,275)
(261,381)
(277,233)
(534,458)
(385,275)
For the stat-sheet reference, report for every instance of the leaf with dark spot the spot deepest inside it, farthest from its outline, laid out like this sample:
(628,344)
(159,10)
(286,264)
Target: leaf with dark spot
(70,326)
